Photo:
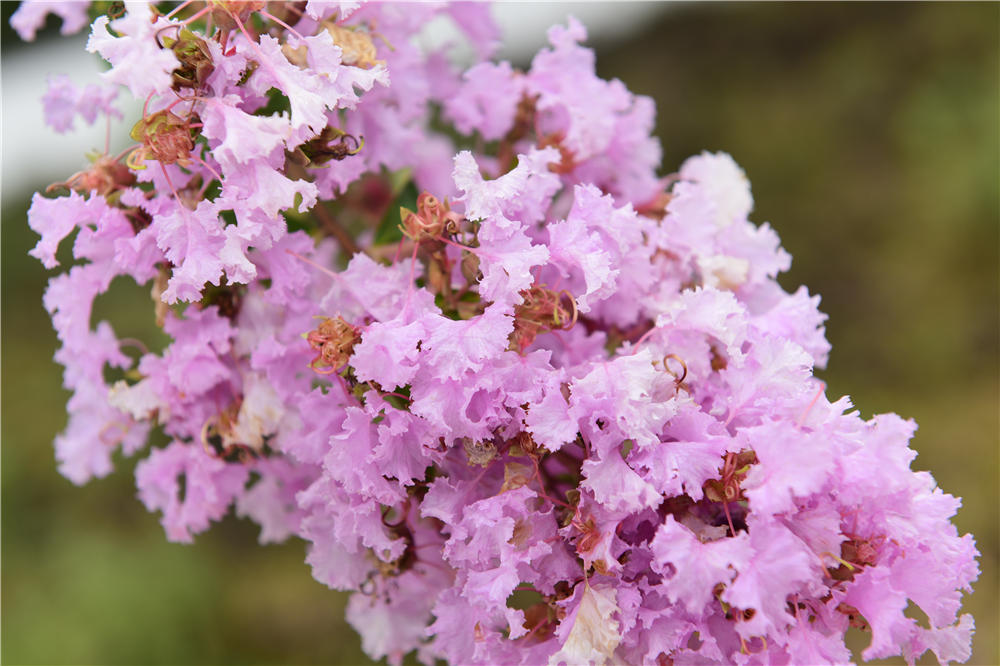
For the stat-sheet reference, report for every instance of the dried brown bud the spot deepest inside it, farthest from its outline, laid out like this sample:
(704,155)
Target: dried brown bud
(567,160)
(330,144)
(479,453)
(334,339)
(542,310)
(516,475)
(195,60)
(432,219)
(225,13)
(165,137)
(105,175)
(470,268)
(357,46)
(525,442)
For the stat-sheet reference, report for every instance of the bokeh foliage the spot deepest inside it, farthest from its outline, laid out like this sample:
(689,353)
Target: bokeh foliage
(870,135)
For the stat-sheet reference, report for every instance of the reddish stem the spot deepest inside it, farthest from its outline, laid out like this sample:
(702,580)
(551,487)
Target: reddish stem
(179,8)
(284,25)
(729,519)
(541,485)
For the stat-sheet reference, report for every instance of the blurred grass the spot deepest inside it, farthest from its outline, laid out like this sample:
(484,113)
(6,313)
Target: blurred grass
(870,134)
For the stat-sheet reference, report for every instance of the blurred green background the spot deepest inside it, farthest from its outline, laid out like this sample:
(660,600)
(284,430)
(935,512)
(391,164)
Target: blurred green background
(870,135)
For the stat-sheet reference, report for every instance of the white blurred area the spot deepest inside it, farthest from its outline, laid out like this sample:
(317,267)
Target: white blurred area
(33,155)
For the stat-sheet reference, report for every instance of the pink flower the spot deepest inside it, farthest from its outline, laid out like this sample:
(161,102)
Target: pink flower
(30,16)
(571,383)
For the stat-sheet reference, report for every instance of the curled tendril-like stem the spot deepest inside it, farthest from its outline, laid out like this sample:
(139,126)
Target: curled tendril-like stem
(367,587)
(131,162)
(850,565)
(383,394)
(206,428)
(245,453)
(322,371)
(358,141)
(403,512)
(684,368)
(122,431)
(173,26)
(576,313)
(746,650)
(135,343)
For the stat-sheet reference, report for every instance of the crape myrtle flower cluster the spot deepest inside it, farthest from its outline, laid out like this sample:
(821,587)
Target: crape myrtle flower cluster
(531,401)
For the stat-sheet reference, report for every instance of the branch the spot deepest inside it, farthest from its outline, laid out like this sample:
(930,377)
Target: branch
(330,225)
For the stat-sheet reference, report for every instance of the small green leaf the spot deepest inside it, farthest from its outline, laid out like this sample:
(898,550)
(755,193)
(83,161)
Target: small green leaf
(388,232)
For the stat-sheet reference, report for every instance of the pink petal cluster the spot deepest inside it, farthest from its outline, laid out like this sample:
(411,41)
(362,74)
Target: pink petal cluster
(64,101)
(30,16)
(567,416)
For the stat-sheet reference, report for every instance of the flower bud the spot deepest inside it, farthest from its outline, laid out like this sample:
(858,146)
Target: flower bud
(479,453)
(165,137)
(356,45)
(432,219)
(334,339)
(195,60)
(225,13)
(542,310)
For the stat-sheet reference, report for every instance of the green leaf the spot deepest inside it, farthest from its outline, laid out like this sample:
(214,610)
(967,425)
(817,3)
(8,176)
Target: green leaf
(388,232)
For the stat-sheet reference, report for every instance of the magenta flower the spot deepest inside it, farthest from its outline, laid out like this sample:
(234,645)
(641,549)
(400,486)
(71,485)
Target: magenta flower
(475,360)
